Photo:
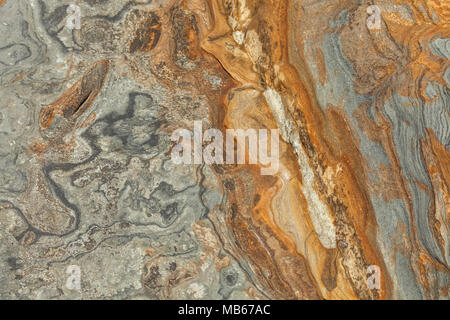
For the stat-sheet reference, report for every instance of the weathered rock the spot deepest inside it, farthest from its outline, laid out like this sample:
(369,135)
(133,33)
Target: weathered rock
(358,208)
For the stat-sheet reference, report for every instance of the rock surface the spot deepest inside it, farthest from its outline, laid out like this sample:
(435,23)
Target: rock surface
(358,209)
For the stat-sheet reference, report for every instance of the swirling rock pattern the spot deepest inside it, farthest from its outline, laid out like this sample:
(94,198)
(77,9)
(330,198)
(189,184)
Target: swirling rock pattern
(87,180)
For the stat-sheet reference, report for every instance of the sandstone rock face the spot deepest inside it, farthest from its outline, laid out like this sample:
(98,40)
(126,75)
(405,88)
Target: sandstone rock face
(93,206)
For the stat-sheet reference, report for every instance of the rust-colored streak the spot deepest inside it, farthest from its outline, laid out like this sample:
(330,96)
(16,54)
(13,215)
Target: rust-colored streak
(437,158)
(148,32)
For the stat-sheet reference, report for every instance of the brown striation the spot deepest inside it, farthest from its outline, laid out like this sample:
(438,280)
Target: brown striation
(76,100)
(147,34)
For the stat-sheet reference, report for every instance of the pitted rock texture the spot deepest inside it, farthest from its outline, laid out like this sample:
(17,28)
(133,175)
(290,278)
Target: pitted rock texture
(87,179)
